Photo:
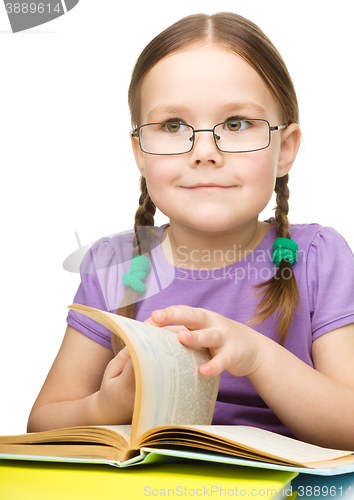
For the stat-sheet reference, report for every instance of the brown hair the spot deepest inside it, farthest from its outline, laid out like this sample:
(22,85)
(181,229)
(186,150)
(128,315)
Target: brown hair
(246,40)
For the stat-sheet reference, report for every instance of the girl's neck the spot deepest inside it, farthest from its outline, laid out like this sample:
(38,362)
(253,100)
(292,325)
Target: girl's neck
(192,249)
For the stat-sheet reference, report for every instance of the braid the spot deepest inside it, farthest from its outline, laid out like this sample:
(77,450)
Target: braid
(144,219)
(281,293)
(282,208)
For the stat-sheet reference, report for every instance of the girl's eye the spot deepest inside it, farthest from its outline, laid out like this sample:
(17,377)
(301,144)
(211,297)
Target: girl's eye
(175,127)
(236,125)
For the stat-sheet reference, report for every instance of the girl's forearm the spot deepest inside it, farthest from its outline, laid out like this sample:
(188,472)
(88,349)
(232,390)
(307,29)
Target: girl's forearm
(72,413)
(313,407)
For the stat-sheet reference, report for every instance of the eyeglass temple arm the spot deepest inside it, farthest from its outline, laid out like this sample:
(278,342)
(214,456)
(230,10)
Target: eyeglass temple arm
(134,134)
(278,127)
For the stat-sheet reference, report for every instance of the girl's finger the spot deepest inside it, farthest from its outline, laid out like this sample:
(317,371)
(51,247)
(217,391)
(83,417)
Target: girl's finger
(127,375)
(117,364)
(172,328)
(209,337)
(125,353)
(149,321)
(176,328)
(216,365)
(193,318)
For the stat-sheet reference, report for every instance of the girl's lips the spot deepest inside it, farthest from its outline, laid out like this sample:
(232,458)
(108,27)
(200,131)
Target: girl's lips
(207,187)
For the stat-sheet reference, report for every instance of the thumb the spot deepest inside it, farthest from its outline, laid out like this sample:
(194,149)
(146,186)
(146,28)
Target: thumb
(117,364)
(125,353)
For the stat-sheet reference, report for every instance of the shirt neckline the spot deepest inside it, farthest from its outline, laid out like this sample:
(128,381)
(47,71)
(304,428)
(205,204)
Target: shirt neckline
(181,272)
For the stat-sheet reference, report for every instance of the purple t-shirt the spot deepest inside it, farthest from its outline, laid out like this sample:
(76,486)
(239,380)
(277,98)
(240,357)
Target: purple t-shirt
(324,273)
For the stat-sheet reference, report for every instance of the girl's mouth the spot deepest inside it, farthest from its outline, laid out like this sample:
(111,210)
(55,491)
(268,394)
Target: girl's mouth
(207,187)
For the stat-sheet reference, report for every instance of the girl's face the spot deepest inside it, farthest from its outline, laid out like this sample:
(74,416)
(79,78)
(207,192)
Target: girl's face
(206,189)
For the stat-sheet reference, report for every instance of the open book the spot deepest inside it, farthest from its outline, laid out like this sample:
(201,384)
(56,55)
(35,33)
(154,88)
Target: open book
(173,410)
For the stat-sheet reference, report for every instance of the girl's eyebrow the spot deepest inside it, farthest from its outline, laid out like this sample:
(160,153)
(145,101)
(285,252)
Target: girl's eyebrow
(177,110)
(167,109)
(245,106)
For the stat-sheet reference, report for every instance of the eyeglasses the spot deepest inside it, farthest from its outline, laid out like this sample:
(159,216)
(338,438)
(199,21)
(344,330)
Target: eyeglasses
(233,136)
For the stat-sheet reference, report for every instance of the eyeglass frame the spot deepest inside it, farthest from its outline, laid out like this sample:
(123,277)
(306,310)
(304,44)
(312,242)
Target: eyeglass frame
(136,133)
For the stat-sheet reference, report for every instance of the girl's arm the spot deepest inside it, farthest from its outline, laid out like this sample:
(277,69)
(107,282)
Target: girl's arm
(316,405)
(85,386)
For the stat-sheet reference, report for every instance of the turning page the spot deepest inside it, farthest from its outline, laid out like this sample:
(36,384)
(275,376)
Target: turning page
(169,388)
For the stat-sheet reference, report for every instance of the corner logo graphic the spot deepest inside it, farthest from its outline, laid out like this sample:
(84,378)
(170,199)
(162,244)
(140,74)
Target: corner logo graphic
(26,15)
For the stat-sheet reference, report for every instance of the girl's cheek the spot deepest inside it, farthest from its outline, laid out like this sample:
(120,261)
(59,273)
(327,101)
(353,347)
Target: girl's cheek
(159,170)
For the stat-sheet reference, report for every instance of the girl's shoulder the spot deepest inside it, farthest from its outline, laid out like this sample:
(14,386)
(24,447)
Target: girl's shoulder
(320,241)
(314,234)
(118,248)
(325,275)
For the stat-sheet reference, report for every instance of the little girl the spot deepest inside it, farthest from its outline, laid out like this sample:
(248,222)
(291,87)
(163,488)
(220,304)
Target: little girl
(215,131)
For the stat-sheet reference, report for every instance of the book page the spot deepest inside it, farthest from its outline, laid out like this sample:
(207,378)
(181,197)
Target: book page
(123,430)
(169,388)
(270,444)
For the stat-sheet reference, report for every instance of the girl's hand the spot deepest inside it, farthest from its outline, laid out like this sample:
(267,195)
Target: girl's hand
(235,347)
(116,396)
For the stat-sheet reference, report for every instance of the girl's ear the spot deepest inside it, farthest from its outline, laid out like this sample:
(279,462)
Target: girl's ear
(138,154)
(290,143)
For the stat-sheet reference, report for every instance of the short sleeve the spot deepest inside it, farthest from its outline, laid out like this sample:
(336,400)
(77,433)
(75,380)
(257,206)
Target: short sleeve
(100,256)
(330,270)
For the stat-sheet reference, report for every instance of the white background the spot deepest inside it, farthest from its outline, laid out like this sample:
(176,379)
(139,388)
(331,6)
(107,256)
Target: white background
(66,163)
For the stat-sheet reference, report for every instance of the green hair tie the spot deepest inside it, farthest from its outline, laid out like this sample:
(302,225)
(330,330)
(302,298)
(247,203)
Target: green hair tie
(139,268)
(284,248)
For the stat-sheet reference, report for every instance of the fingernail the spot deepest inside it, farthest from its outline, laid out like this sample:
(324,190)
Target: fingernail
(187,334)
(206,369)
(160,315)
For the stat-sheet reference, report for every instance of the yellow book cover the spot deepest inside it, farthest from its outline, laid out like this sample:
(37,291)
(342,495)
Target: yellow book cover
(26,480)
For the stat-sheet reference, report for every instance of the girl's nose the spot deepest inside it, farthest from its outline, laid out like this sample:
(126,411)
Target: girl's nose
(204,149)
